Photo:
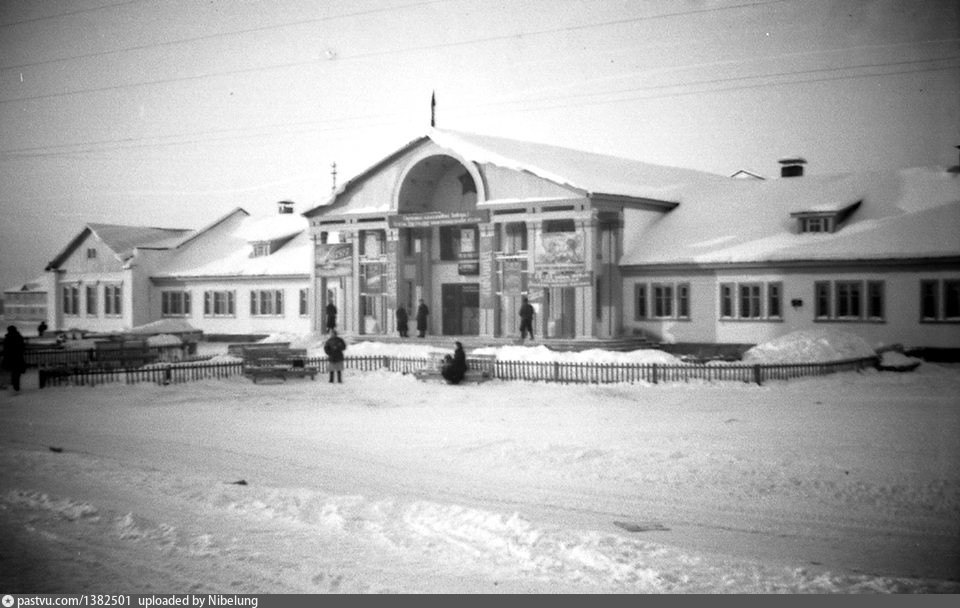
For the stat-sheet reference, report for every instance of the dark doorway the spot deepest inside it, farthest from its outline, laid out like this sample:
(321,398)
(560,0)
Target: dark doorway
(461,309)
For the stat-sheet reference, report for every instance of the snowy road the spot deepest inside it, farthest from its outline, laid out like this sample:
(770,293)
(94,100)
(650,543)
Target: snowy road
(842,484)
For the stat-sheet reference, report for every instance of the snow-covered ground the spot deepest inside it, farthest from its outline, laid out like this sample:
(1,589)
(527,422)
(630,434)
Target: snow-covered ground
(847,483)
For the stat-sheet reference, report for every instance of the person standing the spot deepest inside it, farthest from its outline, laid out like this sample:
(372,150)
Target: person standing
(334,347)
(42,328)
(526,319)
(455,367)
(422,313)
(402,321)
(331,317)
(13,356)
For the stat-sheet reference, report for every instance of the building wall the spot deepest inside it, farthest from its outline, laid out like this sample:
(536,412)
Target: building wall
(901,322)
(82,271)
(241,321)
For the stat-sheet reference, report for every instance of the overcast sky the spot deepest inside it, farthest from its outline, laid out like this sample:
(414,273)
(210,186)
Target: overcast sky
(172,113)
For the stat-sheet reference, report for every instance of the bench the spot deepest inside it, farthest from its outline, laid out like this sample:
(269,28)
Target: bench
(278,362)
(479,368)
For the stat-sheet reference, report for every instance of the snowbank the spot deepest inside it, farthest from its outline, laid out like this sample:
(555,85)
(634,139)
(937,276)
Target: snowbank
(164,340)
(810,346)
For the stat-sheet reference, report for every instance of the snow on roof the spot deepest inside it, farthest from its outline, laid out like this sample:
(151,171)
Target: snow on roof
(587,171)
(907,213)
(224,250)
(122,240)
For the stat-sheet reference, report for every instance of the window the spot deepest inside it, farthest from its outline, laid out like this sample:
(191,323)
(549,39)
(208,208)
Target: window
(726,300)
(515,237)
(266,302)
(260,250)
(662,301)
(875,299)
(940,300)
(71,300)
(951,300)
(91,253)
(113,300)
(459,243)
(683,301)
(372,243)
(750,301)
(175,303)
(219,304)
(91,300)
(640,297)
(304,302)
(848,299)
(815,224)
(821,291)
(774,300)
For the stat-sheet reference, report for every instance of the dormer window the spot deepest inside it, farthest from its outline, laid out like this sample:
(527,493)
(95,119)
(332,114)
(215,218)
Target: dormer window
(261,249)
(816,224)
(824,218)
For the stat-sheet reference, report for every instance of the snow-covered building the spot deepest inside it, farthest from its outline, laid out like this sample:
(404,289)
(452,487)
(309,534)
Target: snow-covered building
(26,302)
(608,248)
(241,275)
(100,281)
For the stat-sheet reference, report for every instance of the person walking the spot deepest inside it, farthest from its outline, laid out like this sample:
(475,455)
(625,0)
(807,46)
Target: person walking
(526,319)
(331,317)
(13,356)
(422,313)
(402,321)
(454,368)
(334,347)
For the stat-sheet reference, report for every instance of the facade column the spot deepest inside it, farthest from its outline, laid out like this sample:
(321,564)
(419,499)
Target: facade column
(587,296)
(539,297)
(488,280)
(351,286)
(393,270)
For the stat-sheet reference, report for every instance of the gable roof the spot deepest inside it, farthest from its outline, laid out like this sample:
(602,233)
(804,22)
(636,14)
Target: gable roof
(122,240)
(912,213)
(590,173)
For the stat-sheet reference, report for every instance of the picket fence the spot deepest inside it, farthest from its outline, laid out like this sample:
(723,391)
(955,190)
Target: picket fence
(531,371)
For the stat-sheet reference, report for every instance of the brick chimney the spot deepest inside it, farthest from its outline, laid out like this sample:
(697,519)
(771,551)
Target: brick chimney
(792,167)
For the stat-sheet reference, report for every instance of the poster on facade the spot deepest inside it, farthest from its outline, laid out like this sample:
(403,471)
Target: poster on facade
(512,277)
(560,249)
(334,260)
(468,244)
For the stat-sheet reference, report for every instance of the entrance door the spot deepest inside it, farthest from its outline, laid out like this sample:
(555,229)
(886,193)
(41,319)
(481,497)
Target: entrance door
(561,312)
(461,309)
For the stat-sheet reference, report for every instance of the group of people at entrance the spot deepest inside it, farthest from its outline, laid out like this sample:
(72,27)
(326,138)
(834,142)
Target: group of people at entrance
(423,314)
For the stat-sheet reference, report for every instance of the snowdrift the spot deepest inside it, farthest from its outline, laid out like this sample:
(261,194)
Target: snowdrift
(810,346)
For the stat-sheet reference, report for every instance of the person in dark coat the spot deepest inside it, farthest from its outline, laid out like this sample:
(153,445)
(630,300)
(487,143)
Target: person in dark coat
(42,328)
(402,321)
(455,368)
(526,319)
(13,356)
(422,313)
(331,317)
(334,347)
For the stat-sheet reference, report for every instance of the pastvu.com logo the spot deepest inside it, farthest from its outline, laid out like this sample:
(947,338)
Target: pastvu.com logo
(7,601)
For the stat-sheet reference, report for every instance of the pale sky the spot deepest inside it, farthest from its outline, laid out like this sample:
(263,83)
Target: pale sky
(173,113)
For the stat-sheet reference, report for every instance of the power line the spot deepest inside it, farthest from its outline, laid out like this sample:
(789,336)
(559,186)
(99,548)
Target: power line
(384,119)
(264,28)
(375,54)
(69,14)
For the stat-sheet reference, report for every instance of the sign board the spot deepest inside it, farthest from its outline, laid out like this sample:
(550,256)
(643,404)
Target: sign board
(468,268)
(334,260)
(561,279)
(512,277)
(438,218)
